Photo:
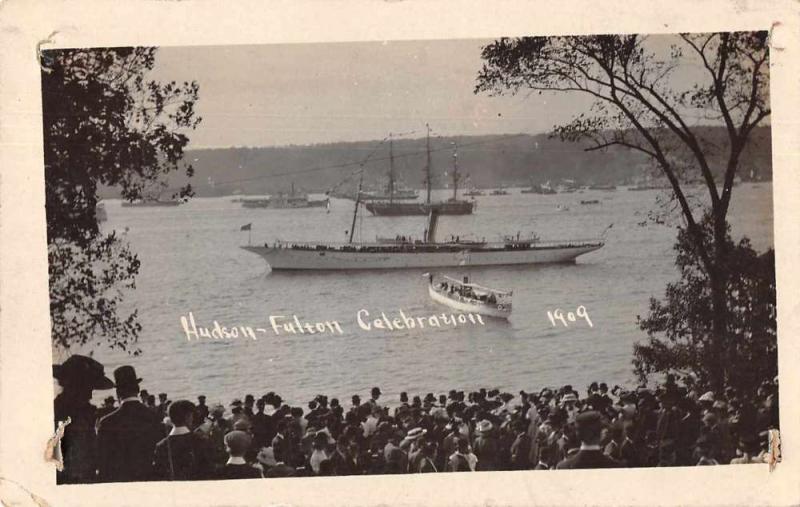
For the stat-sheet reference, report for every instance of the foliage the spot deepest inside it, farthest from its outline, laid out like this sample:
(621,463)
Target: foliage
(679,328)
(105,124)
(647,98)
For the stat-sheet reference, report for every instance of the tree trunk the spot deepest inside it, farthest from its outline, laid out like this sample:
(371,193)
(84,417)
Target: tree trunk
(718,282)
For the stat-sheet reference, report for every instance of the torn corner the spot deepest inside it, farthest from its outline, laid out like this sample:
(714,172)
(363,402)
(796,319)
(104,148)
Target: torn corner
(52,452)
(47,40)
(774,449)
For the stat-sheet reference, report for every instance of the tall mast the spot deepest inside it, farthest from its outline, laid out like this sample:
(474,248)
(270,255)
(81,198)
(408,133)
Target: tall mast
(428,164)
(455,171)
(355,209)
(391,169)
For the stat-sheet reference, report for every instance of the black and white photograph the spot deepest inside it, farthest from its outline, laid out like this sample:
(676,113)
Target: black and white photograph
(528,253)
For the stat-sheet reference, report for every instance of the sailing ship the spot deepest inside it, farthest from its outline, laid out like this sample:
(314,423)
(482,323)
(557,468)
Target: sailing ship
(452,206)
(425,253)
(470,297)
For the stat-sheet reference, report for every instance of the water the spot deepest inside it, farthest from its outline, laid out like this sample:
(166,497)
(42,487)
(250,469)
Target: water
(191,261)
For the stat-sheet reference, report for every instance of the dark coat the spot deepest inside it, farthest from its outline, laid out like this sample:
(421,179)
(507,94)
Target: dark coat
(458,463)
(126,440)
(281,470)
(587,459)
(78,446)
(238,472)
(183,458)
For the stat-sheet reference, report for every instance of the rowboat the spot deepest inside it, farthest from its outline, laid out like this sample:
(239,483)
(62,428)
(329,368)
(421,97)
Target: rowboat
(470,297)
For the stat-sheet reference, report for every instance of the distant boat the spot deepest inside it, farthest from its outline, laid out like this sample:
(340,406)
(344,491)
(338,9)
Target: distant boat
(474,193)
(639,188)
(602,187)
(282,200)
(452,206)
(590,201)
(145,203)
(500,191)
(470,297)
(544,189)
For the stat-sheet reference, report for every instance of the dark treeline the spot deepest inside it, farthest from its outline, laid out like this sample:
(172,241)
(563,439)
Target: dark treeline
(489,161)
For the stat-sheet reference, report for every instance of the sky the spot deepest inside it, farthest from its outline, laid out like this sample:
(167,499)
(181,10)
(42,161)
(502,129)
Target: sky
(275,95)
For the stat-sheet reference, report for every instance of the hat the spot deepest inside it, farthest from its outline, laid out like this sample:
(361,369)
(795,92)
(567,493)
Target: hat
(237,441)
(588,423)
(376,390)
(429,398)
(484,426)
(236,403)
(709,397)
(83,370)
(126,376)
(416,433)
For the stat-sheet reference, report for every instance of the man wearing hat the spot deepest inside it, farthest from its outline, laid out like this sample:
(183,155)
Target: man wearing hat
(590,428)
(78,376)
(485,446)
(127,437)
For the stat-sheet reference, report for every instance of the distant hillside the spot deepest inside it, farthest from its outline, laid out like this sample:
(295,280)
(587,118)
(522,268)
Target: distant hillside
(487,161)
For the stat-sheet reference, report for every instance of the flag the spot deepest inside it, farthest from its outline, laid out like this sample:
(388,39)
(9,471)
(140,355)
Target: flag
(247,227)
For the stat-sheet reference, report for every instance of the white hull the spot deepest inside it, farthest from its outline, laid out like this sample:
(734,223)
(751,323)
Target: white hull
(469,307)
(310,259)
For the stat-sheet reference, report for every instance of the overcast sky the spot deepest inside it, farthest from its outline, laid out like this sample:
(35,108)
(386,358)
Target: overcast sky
(316,93)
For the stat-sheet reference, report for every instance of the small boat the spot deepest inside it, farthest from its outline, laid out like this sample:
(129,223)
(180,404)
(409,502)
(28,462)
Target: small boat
(149,203)
(470,297)
(474,193)
(590,201)
(500,191)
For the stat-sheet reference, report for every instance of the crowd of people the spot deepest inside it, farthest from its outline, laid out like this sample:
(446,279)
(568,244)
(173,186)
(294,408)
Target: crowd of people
(676,424)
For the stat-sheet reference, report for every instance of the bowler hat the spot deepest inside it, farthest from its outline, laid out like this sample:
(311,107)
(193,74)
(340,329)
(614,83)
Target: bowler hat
(125,376)
(82,370)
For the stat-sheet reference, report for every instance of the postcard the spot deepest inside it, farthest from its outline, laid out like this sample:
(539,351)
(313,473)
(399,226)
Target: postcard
(325,266)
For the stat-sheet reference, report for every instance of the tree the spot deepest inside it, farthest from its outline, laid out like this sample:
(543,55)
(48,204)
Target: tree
(105,124)
(639,103)
(680,328)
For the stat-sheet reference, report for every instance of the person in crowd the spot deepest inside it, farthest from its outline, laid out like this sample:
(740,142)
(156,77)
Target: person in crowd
(703,451)
(78,377)
(428,452)
(236,444)
(319,451)
(127,437)
(281,467)
(163,403)
(375,394)
(183,455)
(589,427)
(249,401)
(202,409)
(109,405)
(261,424)
(151,403)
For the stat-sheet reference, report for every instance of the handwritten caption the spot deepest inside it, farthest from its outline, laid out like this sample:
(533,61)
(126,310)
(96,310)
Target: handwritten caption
(558,316)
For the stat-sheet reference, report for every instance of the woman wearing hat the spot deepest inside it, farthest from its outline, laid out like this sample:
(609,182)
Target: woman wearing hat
(78,376)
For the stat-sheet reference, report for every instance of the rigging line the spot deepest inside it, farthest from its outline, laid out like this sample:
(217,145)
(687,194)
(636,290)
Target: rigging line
(361,163)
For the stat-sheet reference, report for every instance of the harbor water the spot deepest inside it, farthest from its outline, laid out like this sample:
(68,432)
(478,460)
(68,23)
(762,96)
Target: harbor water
(192,263)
